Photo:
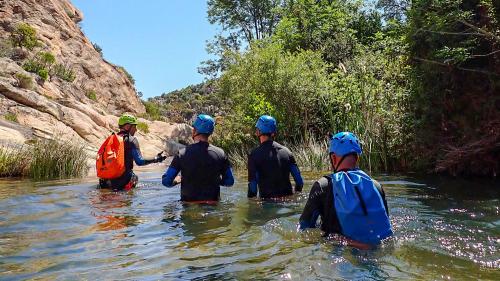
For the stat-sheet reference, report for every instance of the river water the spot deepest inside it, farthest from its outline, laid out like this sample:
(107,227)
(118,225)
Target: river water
(69,230)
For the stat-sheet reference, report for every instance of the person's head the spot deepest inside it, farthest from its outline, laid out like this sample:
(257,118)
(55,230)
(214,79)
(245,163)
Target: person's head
(265,128)
(128,123)
(203,127)
(345,149)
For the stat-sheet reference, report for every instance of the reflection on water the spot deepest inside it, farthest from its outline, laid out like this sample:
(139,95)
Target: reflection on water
(69,230)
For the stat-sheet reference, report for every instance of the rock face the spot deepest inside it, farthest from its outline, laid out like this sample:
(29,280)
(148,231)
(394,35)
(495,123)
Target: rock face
(61,109)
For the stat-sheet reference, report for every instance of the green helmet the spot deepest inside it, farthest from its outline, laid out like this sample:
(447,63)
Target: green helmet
(127,119)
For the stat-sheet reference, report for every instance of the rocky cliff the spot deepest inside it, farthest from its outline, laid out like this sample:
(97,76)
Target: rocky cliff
(59,108)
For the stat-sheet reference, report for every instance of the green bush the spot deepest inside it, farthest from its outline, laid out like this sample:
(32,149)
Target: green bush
(143,127)
(63,72)
(47,59)
(129,76)
(97,48)
(152,110)
(24,81)
(44,74)
(91,94)
(10,117)
(24,35)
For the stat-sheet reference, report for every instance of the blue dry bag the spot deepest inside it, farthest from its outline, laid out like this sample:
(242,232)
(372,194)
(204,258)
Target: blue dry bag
(359,206)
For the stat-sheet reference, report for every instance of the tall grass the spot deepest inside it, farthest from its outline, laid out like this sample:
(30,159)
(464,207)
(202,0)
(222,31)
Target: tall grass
(44,159)
(14,160)
(310,155)
(53,159)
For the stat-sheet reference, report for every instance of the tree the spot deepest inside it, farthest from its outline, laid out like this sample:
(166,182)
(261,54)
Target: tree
(250,19)
(242,21)
(394,9)
(24,35)
(454,47)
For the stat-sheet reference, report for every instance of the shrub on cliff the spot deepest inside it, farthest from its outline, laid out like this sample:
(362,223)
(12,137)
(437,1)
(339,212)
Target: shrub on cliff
(91,94)
(63,72)
(129,76)
(24,35)
(97,48)
(143,127)
(24,81)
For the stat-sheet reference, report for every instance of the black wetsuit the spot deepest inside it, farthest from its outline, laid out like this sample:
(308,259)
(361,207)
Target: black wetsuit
(132,153)
(269,168)
(320,203)
(204,169)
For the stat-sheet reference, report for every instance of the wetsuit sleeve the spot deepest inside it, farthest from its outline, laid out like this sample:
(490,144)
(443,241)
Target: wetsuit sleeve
(252,177)
(136,153)
(168,178)
(227,178)
(382,194)
(297,177)
(313,207)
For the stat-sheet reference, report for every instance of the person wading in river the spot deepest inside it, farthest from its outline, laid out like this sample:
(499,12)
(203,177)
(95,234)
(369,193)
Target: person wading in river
(204,167)
(270,164)
(348,201)
(116,157)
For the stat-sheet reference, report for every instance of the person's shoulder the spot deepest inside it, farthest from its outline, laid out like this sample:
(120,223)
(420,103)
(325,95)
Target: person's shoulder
(279,146)
(255,150)
(216,149)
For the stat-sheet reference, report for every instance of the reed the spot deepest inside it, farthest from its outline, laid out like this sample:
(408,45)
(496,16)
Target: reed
(51,159)
(43,159)
(14,161)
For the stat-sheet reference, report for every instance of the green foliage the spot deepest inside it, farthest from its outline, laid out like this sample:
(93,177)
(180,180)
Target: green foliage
(44,64)
(97,48)
(63,72)
(43,159)
(181,105)
(40,64)
(143,127)
(10,117)
(129,76)
(24,36)
(367,96)
(46,59)
(455,73)
(52,159)
(91,94)
(14,160)
(44,74)
(24,81)
(251,19)
(152,109)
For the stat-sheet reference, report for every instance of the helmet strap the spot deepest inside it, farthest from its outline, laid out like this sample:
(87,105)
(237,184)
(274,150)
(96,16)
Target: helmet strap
(335,167)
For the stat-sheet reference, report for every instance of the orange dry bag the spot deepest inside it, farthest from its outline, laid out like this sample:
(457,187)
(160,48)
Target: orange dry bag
(110,162)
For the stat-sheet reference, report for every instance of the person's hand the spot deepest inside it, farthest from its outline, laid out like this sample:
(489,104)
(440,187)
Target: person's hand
(177,180)
(160,157)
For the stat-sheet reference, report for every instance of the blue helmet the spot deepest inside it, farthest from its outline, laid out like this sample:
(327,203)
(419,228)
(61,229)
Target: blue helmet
(344,143)
(266,124)
(204,124)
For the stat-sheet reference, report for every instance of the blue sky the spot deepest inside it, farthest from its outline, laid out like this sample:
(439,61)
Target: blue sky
(160,42)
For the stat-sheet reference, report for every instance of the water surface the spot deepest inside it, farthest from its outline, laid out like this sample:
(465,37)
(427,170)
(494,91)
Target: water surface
(69,230)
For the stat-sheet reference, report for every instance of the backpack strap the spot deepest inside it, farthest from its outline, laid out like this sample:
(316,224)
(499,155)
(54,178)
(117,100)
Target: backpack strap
(325,181)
